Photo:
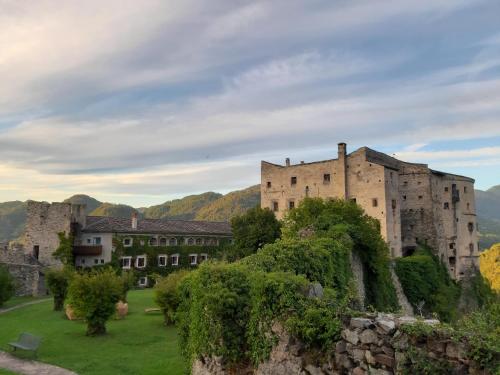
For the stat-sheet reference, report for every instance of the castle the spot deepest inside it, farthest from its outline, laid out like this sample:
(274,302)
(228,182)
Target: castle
(413,203)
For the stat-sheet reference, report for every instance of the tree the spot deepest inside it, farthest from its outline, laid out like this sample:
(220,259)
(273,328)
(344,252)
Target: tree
(64,252)
(167,294)
(489,262)
(94,295)
(58,281)
(254,229)
(6,285)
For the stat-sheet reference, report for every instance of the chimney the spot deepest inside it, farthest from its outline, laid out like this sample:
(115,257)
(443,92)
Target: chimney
(134,220)
(287,162)
(342,157)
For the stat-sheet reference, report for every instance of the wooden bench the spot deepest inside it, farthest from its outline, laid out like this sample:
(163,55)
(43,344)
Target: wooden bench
(26,341)
(152,309)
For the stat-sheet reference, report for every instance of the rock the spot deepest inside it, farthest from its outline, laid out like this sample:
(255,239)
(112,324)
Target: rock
(368,337)
(454,350)
(342,361)
(436,346)
(432,322)
(358,371)
(315,291)
(400,342)
(350,336)
(377,371)
(400,360)
(313,370)
(388,351)
(386,325)
(360,323)
(384,360)
(340,346)
(121,309)
(358,355)
(407,320)
(369,357)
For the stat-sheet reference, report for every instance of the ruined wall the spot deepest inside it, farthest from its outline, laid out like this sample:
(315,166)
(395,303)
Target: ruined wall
(374,344)
(44,222)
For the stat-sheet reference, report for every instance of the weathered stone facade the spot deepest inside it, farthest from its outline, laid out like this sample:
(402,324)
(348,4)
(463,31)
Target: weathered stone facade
(412,202)
(373,344)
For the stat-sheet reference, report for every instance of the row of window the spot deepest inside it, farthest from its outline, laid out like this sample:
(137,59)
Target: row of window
(163,260)
(293,180)
(164,241)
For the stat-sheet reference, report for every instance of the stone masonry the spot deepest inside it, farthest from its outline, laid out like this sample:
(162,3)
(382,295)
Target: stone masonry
(413,203)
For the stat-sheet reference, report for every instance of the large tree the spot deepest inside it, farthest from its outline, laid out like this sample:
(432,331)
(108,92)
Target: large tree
(252,230)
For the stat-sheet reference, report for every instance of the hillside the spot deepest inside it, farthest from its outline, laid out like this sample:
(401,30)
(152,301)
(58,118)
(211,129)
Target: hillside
(90,202)
(231,204)
(488,210)
(12,219)
(183,209)
(111,209)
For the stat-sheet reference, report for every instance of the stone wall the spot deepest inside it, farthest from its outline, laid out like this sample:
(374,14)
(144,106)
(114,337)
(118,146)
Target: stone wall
(373,344)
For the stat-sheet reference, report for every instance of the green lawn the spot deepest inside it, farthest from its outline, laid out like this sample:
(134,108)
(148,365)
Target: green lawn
(140,344)
(14,301)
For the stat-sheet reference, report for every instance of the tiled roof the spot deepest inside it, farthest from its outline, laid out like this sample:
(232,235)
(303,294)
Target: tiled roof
(124,225)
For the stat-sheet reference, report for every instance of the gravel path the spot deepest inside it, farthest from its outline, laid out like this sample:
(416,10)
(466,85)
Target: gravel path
(3,311)
(26,367)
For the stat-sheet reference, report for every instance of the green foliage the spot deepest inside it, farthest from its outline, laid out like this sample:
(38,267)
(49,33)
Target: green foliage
(424,278)
(58,282)
(128,280)
(93,295)
(481,329)
(324,260)
(417,362)
(64,252)
(167,294)
(255,228)
(6,285)
(345,220)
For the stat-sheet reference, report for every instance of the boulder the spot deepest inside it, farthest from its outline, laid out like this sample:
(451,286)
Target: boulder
(350,336)
(368,337)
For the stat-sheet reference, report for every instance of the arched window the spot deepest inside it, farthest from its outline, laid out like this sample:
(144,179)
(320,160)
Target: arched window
(190,241)
(163,241)
(172,241)
(153,241)
(199,241)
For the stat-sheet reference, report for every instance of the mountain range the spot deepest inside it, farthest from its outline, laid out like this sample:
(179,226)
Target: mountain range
(217,207)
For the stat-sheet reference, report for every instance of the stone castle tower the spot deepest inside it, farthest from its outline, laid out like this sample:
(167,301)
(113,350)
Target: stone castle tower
(413,203)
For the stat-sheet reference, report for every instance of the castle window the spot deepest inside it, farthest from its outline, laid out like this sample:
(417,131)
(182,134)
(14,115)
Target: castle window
(268,184)
(471,248)
(452,261)
(172,241)
(307,191)
(405,183)
(193,259)
(293,180)
(374,202)
(446,205)
(470,226)
(140,261)
(446,188)
(36,251)
(326,178)
(127,242)
(162,260)
(102,261)
(203,257)
(96,261)
(199,241)
(175,259)
(420,197)
(126,262)
(291,205)
(89,241)
(394,204)
(97,240)
(190,241)
(163,241)
(275,206)
(452,246)
(353,200)
(468,206)
(404,197)
(153,241)
(143,281)
(465,189)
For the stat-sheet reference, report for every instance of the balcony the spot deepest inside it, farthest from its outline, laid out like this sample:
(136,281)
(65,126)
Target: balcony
(87,250)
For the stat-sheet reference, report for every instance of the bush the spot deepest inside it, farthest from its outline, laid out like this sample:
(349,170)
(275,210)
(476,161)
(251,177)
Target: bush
(64,252)
(58,282)
(252,230)
(6,285)
(424,278)
(94,296)
(128,280)
(167,294)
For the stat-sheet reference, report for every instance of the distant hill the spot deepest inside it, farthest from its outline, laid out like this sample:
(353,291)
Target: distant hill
(231,204)
(182,209)
(217,207)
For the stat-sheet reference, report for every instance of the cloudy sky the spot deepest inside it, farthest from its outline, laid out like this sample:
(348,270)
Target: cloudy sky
(142,101)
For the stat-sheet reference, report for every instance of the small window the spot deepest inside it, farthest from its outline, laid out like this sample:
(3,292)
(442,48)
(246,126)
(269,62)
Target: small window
(162,260)
(353,200)
(97,240)
(446,205)
(420,197)
(203,257)
(404,197)
(143,281)
(268,184)
(452,246)
(326,178)
(293,180)
(102,261)
(470,226)
(199,241)
(291,205)
(163,241)
(174,259)
(471,248)
(96,261)
(82,261)
(405,183)
(394,204)
(36,251)
(465,189)
(307,191)
(193,259)
(153,241)
(452,261)
(190,241)
(446,189)
(89,241)
(275,206)
(468,206)
(126,262)
(172,241)
(127,242)
(140,261)
(374,202)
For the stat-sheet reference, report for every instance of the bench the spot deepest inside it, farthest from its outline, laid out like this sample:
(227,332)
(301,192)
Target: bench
(152,309)
(26,341)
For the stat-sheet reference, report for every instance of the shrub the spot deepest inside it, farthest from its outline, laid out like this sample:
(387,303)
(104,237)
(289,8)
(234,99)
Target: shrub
(94,296)
(167,294)
(6,285)
(425,278)
(58,281)
(128,280)
(64,252)
(252,230)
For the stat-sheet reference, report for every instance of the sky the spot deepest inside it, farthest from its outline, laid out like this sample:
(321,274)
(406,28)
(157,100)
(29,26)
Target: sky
(139,102)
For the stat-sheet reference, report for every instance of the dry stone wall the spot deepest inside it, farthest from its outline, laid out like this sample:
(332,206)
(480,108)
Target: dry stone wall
(372,344)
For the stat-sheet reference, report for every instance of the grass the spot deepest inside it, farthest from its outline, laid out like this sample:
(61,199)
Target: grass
(14,301)
(7,372)
(139,344)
